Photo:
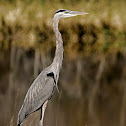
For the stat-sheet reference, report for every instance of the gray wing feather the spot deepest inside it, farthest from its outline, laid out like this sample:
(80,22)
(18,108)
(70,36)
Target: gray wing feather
(40,91)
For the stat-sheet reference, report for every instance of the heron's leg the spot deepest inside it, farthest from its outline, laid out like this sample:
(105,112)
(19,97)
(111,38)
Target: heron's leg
(42,112)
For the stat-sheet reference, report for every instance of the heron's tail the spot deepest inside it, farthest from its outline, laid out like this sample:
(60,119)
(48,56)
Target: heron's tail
(21,116)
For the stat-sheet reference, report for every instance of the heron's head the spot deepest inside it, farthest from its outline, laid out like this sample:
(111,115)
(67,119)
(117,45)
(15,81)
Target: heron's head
(63,13)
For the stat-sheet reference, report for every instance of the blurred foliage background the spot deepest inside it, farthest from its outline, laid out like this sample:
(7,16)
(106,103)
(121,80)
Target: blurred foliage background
(93,78)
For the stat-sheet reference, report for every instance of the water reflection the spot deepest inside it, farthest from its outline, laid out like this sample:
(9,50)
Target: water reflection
(92,90)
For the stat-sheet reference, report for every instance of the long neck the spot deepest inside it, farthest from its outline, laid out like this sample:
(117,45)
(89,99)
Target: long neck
(57,62)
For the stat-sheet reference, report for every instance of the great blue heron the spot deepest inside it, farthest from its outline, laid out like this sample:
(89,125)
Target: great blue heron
(44,85)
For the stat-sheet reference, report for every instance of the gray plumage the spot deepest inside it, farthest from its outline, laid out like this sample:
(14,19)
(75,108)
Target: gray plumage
(44,85)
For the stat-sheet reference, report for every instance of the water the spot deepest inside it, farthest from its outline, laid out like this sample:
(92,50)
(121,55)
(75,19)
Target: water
(92,90)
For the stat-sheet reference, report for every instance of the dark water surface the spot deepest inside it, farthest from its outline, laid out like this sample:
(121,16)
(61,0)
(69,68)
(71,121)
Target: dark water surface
(92,89)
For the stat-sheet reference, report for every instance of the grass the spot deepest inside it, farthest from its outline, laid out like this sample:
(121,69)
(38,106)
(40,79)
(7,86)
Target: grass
(15,107)
(27,24)
(60,95)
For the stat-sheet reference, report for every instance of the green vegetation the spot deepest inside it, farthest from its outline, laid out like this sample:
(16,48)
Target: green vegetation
(28,24)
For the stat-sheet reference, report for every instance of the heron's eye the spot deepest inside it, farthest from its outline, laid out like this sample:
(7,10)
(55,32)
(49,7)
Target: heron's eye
(66,12)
